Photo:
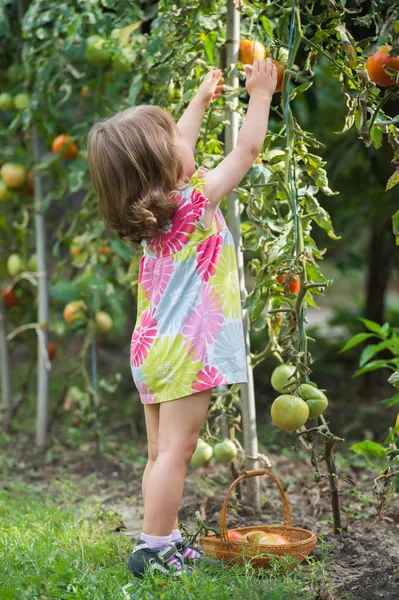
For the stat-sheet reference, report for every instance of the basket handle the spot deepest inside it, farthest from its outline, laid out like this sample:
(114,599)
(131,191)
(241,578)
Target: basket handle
(287,522)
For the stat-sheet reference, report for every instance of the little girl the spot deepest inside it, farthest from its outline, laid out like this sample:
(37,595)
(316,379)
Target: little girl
(188,336)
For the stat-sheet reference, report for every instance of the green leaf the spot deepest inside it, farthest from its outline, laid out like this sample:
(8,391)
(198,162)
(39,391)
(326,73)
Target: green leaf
(357,339)
(369,447)
(374,365)
(322,218)
(395,226)
(300,88)
(372,350)
(392,181)
(391,401)
(394,378)
(373,326)
(135,89)
(376,138)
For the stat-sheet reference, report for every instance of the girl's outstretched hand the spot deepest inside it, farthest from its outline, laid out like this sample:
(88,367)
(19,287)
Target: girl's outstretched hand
(261,78)
(210,89)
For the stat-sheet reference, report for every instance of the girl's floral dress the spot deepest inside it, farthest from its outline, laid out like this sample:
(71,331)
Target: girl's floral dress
(188,335)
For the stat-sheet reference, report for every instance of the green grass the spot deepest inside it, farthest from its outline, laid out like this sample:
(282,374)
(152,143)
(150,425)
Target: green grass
(62,546)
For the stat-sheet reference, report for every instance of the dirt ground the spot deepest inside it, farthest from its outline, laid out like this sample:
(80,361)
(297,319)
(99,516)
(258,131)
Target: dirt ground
(363,562)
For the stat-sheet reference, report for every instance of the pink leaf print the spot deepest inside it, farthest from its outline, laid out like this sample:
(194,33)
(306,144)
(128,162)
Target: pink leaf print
(177,235)
(142,338)
(155,277)
(146,396)
(198,202)
(207,256)
(204,323)
(208,377)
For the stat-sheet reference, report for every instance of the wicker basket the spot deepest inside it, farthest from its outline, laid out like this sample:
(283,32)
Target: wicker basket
(301,541)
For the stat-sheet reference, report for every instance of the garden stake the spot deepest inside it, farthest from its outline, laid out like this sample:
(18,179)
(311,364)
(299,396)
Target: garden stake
(43,304)
(247,389)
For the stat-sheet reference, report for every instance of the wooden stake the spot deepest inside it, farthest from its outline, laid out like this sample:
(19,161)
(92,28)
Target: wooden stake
(247,389)
(43,308)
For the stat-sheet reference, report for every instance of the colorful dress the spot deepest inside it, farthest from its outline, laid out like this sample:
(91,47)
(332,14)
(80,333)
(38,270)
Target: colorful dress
(188,335)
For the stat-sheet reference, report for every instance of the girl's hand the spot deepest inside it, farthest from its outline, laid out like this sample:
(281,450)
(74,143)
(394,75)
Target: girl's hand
(261,78)
(209,89)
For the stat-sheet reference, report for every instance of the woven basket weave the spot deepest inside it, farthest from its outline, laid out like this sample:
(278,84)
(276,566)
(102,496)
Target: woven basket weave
(301,541)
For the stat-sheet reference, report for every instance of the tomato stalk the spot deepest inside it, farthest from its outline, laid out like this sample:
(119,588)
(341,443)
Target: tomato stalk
(322,432)
(93,394)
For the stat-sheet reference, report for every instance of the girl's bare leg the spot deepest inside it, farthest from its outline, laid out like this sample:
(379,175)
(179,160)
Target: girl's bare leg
(179,425)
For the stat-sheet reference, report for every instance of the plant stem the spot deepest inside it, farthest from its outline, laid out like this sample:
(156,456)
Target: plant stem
(333,482)
(331,59)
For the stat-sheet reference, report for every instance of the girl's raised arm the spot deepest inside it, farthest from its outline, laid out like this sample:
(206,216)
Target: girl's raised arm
(261,84)
(190,123)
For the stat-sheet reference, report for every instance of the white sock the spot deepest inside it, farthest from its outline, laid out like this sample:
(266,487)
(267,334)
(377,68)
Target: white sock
(176,535)
(156,542)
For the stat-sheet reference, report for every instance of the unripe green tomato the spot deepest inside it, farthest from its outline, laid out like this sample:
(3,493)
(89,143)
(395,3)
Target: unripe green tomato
(282,380)
(32,263)
(5,192)
(6,102)
(15,266)
(289,412)
(225,451)
(202,454)
(21,101)
(315,399)
(96,54)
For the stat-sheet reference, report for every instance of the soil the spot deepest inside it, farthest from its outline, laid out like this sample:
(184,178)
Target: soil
(362,562)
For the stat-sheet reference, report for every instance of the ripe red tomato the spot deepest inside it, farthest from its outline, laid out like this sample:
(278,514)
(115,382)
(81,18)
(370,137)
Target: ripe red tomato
(234,536)
(294,282)
(75,311)
(10,298)
(62,140)
(280,72)
(52,351)
(375,63)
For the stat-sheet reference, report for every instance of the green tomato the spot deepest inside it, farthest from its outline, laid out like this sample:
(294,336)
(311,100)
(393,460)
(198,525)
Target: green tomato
(13,72)
(15,266)
(33,264)
(289,412)
(282,380)
(96,54)
(5,193)
(123,62)
(315,399)
(202,454)
(21,101)
(103,322)
(225,451)
(6,102)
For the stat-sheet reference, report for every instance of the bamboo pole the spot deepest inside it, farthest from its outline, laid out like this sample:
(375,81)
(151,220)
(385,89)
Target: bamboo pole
(5,370)
(233,215)
(43,308)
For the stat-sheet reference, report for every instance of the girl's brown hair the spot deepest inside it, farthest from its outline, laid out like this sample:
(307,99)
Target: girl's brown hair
(134,169)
